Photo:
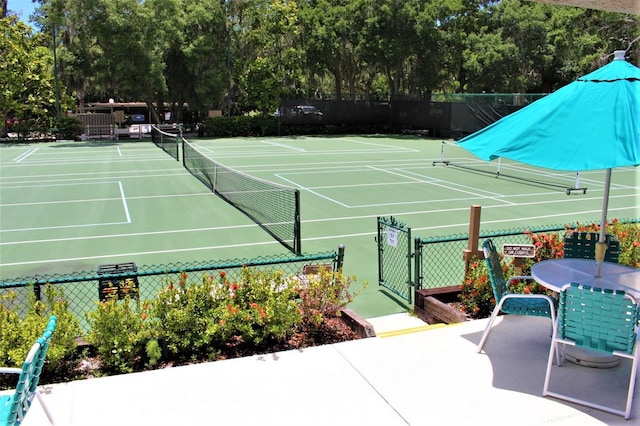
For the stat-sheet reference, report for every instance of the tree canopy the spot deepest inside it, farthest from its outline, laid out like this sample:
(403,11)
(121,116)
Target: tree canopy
(245,55)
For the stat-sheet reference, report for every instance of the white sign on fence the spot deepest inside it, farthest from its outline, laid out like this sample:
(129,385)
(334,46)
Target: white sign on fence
(519,250)
(392,237)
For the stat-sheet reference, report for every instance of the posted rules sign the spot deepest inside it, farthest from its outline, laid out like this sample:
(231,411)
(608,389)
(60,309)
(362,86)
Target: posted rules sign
(519,250)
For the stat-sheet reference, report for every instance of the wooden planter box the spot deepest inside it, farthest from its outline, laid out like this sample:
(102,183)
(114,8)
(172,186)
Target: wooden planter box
(432,305)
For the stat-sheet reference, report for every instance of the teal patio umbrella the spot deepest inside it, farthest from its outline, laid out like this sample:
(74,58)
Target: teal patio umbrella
(592,123)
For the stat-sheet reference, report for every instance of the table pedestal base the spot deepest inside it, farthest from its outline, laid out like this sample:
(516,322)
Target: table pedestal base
(589,358)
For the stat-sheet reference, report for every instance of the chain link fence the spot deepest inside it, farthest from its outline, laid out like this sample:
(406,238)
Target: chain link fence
(394,257)
(438,262)
(84,289)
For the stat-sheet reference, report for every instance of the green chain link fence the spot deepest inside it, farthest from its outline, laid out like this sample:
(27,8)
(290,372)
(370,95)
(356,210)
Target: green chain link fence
(437,262)
(394,257)
(84,289)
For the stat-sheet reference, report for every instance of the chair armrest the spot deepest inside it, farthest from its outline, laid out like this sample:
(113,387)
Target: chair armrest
(528,296)
(10,370)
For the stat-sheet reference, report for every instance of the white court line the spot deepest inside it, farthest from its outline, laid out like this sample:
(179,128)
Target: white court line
(141,253)
(400,149)
(119,152)
(24,155)
(281,145)
(88,200)
(64,226)
(452,184)
(315,193)
(272,242)
(134,234)
(124,202)
(442,186)
(96,180)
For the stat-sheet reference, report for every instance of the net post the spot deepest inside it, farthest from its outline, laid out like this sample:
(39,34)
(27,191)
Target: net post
(297,232)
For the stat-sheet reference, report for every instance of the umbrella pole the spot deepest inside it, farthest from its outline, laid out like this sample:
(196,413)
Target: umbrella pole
(601,246)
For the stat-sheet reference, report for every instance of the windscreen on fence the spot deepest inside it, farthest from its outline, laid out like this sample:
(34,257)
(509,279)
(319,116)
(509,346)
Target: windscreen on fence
(275,208)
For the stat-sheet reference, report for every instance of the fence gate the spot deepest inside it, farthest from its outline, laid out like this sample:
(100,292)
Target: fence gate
(394,257)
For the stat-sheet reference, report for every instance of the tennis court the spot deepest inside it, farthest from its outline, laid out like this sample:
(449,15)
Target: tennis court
(71,206)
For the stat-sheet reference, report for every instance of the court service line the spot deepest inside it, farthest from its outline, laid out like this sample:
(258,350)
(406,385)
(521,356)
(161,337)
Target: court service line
(314,192)
(142,253)
(433,182)
(281,145)
(24,155)
(134,234)
(87,180)
(400,149)
(104,173)
(453,184)
(89,200)
(124,202)
(367,234)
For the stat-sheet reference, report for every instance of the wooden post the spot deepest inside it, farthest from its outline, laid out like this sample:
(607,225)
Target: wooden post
(472,250)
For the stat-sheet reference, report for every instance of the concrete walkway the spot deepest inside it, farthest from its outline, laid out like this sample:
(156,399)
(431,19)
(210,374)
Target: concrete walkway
(410,374)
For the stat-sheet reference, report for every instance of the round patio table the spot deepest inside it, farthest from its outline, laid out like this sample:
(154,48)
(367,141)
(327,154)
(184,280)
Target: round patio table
(555,273)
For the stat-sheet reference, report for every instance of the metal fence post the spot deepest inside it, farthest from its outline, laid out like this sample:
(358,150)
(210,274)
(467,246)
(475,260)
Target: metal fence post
(340,257)
(417,262)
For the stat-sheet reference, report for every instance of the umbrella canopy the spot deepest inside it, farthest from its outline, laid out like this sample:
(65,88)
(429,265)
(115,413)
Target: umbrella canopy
(592,123)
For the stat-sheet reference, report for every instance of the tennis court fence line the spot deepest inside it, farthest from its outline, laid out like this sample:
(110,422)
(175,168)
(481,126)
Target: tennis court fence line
(84,289)
(407,263)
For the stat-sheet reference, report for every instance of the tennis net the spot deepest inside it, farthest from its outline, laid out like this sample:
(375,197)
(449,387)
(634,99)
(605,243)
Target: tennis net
(275,208)
(169,142)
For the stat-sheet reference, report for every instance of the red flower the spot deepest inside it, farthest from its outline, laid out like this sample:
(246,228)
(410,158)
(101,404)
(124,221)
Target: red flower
(223,274)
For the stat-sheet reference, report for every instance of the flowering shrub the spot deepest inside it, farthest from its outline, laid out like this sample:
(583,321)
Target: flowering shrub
(628,235)
(476,298)
(215,316)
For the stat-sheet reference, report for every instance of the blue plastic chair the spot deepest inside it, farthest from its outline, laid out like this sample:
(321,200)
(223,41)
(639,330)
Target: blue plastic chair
(13,408)
(511,303)
(598,320)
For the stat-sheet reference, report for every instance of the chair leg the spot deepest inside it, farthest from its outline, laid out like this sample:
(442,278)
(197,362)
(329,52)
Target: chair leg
(487,330)
(44,407)
(553,349)
(632,382)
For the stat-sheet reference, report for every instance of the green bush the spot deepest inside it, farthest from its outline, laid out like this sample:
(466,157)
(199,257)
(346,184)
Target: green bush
(69,128)
(19,334)
(215,316)
(118,332)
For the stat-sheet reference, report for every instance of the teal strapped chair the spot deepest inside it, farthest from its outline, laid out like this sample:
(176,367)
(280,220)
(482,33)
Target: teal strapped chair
(582,245)
(511,303)
(599,320)
(14,407)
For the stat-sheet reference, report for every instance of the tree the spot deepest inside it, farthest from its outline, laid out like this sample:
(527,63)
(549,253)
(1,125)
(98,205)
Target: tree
(26,73)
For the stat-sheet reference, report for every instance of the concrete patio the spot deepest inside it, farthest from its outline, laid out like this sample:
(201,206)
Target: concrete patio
(410,374)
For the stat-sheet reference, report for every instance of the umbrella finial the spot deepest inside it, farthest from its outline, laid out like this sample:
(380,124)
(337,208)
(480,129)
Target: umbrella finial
(618,55)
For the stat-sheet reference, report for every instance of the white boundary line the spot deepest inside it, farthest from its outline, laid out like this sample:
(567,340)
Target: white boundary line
(121,198)
(273,242)
(24,155)
(124,202)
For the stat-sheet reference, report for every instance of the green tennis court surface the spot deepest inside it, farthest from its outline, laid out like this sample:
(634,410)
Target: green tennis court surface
(71,206)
